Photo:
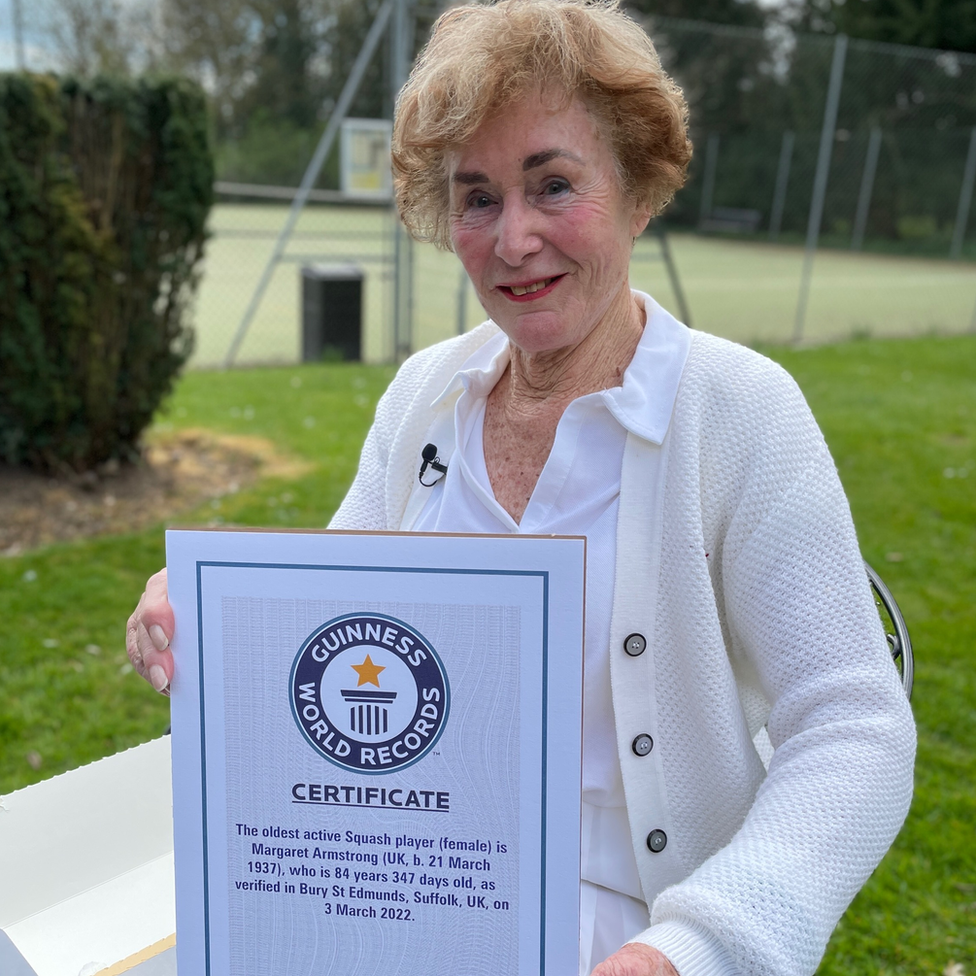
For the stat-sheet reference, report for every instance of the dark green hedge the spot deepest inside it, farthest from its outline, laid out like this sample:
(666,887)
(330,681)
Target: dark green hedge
(105,188)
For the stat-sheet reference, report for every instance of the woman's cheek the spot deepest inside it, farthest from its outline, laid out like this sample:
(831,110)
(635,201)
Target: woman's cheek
(470,239)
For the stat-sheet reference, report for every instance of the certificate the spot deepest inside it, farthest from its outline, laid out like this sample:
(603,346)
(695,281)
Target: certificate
(376,753)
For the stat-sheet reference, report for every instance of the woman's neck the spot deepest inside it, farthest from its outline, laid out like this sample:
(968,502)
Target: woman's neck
(525,405)
(597,363)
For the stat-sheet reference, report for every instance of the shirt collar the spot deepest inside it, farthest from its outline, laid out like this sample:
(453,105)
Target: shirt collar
(480,371)
(642,404)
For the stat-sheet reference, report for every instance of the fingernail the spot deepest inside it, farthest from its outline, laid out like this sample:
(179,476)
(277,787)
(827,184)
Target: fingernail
(159,639)
(158,678)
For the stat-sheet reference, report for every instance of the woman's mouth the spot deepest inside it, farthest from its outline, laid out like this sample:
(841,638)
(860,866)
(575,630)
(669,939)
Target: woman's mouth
(530,290)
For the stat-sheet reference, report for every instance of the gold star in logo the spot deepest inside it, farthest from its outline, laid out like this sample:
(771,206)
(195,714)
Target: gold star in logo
(369,673)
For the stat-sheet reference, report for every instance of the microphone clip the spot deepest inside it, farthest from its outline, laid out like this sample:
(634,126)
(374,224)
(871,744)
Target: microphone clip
(431,460)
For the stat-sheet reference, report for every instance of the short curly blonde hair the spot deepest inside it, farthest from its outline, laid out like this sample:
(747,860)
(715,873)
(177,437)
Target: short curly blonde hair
(482,57)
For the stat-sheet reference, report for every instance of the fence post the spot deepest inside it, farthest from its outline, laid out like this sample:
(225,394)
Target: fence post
(708,187)
(18,19)
(782,180)
(867,188)
(402,44)
(965,198)
(820,180)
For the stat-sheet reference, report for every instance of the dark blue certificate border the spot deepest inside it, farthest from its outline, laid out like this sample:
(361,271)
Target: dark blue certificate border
(543,575)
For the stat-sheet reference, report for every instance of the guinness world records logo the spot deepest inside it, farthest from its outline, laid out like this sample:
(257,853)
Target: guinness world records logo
(369,693)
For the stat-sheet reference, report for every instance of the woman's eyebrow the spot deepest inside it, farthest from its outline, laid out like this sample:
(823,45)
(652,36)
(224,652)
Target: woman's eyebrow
(530,162)
(541,158)
(469,179)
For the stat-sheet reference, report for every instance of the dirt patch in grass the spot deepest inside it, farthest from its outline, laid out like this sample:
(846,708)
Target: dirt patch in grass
(177,473)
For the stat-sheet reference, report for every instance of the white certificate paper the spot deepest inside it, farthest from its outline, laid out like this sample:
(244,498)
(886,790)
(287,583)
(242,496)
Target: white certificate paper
(376,753)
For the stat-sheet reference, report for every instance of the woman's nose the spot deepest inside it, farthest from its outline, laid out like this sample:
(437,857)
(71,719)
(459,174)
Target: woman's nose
(518,234)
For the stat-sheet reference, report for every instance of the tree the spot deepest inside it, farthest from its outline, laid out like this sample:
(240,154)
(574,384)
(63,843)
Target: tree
(250,55)
(287,63)
(211,42)
(738,13)
(272,69)
(941,24)
(90,37)
(345,38)
(723,61)
(104,189)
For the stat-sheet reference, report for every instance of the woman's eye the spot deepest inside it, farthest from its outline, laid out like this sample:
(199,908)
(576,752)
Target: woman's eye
(479,201)
(555,187)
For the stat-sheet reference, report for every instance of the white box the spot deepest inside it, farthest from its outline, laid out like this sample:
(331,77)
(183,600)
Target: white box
(86,870)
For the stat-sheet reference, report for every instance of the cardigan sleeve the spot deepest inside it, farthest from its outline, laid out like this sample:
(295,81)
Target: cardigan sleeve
(364,506)
(798,616)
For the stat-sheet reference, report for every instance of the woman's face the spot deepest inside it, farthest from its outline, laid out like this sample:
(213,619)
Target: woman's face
(540,224)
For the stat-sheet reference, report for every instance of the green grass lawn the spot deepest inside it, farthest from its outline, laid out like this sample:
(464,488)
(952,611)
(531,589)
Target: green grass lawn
(900,417)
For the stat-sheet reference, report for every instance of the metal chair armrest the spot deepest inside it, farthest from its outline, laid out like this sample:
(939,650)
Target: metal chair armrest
(896,630)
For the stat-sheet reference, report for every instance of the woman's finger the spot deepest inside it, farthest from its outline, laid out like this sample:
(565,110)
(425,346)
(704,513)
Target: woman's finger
(149,632)
(636,959)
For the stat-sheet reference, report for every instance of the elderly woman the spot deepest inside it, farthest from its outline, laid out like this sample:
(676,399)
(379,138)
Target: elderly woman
(728,619)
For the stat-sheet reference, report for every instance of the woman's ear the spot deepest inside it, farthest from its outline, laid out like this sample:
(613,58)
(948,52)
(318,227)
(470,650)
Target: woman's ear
(640,219)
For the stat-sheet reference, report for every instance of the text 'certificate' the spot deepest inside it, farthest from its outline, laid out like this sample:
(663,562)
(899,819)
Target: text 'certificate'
(376,753)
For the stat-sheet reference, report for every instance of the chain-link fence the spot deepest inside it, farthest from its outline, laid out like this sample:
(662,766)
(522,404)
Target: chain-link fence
(891,145)
(902,136)
(245,225)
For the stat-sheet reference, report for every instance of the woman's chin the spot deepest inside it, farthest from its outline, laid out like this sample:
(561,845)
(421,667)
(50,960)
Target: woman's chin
(535,333)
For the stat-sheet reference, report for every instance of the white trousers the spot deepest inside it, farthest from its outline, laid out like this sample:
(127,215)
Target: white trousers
(608,919)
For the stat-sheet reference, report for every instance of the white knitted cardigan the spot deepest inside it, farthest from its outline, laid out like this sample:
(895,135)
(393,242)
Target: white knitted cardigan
(742,570)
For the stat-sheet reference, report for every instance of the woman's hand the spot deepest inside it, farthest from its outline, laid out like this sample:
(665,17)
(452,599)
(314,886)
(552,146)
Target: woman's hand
(148,633)
(636,959)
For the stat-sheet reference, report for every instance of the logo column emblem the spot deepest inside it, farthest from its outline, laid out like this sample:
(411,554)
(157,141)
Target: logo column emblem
(369,693)
(368,715)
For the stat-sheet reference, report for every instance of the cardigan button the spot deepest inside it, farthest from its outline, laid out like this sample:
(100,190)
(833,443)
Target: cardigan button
(635,645)
(657,840)
(642,745)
